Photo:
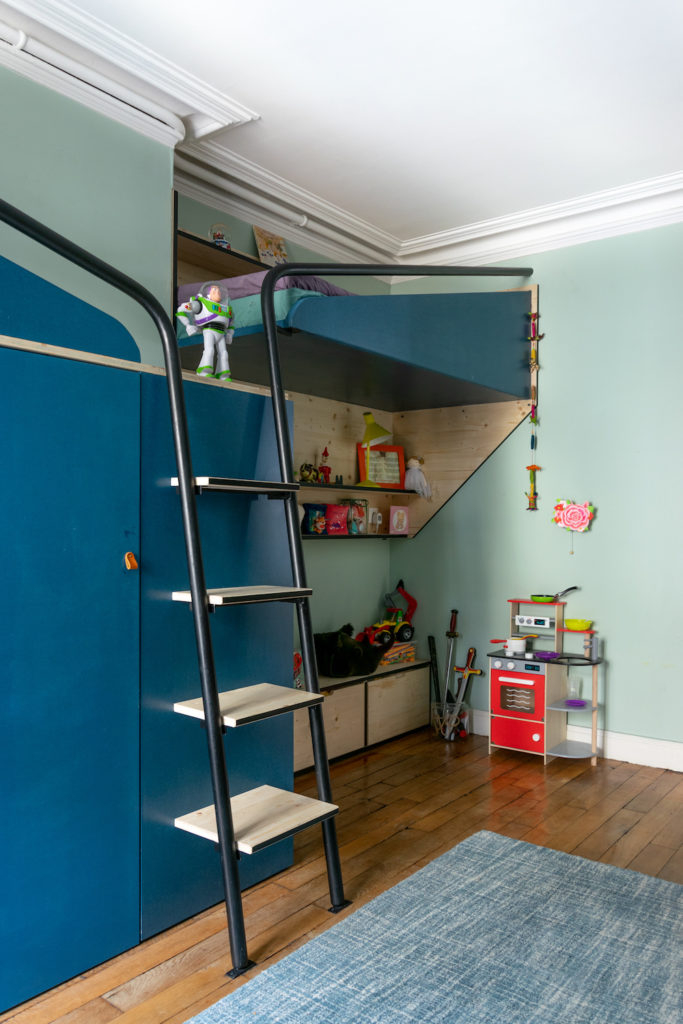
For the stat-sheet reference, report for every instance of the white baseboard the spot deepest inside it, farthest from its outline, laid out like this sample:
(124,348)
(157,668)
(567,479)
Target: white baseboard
(617,746)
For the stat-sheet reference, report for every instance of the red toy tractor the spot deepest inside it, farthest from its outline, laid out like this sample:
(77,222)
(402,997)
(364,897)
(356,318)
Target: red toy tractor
(397,622)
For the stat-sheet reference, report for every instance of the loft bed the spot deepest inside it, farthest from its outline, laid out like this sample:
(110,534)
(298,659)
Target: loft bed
(398,352)
(449,371)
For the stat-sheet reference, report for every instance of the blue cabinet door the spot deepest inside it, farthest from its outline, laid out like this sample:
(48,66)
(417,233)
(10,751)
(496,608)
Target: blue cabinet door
(69,704)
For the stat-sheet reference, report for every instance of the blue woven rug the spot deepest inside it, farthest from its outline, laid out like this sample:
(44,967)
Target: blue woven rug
(495,931)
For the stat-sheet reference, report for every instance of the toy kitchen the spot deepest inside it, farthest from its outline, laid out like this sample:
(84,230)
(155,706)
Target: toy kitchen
(532,690)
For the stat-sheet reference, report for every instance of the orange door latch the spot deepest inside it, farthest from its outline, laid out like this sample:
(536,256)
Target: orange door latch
(130,560)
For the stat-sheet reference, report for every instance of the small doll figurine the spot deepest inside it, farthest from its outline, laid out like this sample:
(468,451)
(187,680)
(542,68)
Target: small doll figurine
(415,478)
(323,469)
(211,313)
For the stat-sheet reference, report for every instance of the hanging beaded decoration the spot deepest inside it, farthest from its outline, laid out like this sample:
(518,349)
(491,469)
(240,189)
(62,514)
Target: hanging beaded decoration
(533,338)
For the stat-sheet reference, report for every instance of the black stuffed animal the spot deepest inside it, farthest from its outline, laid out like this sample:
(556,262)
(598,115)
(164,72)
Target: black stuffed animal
(338,654)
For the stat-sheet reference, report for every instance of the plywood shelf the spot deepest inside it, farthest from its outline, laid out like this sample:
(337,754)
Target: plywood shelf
(261,817)
(246,595)
(251,703)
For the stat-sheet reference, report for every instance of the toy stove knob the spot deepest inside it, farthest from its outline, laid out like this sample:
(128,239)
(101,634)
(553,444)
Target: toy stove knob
(510,664)
(498,664)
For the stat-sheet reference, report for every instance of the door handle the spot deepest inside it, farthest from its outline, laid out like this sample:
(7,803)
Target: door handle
(130,561)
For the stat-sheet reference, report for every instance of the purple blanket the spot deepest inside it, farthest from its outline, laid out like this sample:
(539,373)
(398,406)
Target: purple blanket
(250,284)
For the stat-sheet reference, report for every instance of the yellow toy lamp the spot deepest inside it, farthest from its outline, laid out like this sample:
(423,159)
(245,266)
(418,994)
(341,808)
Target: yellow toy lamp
(374,434)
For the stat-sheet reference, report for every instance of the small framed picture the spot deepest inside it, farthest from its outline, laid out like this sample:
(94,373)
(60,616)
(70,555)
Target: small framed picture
(399,520)
(382,464)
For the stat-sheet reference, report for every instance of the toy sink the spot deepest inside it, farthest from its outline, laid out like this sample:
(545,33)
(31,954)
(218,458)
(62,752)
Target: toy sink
(578,625)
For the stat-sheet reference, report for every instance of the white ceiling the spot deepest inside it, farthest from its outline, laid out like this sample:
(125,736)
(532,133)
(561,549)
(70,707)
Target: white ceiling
(420,131)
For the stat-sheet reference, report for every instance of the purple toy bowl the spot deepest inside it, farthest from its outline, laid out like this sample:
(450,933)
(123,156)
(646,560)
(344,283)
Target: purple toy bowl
(570,702)
(546,655)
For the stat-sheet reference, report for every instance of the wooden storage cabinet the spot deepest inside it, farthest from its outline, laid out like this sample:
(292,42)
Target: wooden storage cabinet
(344,717)
(396,704)
(366,709)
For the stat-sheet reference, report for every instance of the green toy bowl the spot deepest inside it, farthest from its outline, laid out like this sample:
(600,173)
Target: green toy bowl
(578,625)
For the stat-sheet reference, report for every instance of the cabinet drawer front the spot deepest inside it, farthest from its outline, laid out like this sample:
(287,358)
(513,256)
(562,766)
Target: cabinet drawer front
(397,704)
(344,717)
(518,734)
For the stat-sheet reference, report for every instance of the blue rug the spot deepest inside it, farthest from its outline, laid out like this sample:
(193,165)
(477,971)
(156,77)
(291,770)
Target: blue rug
(495,931)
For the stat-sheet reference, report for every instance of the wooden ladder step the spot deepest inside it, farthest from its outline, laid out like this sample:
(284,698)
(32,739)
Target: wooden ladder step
(260,817)
(252,703)
(274,489)
(246,595)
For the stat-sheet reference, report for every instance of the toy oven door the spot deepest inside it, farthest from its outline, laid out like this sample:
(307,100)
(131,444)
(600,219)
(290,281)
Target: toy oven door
(517,694)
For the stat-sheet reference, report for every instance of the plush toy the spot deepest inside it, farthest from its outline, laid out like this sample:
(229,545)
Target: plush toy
(210,313)
(415,478)
(338,654)
(308,474)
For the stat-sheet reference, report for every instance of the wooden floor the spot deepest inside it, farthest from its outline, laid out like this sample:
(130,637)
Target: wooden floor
(401,805)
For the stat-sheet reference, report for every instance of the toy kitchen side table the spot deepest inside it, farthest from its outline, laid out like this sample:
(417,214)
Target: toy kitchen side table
(530,696)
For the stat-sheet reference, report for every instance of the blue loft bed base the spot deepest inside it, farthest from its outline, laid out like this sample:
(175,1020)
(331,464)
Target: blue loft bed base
(397,352)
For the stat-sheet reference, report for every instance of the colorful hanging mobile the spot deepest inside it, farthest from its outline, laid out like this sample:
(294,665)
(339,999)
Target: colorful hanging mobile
(532,493)
(575,518)
(533,338)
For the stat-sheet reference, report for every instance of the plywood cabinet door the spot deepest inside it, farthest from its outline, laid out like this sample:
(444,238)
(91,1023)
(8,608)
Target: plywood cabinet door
(397,703)
(344,717)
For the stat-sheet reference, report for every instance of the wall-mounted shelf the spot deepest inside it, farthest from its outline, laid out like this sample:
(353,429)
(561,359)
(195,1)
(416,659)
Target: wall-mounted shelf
(196,256)
(358,488)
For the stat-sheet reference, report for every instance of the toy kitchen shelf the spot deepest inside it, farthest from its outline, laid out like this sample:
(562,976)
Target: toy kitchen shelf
(530,695)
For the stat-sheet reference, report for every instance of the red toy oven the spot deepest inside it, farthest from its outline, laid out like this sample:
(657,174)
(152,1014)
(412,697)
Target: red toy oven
(518,688)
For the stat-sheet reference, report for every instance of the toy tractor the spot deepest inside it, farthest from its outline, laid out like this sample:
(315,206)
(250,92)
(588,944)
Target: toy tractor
(397,622)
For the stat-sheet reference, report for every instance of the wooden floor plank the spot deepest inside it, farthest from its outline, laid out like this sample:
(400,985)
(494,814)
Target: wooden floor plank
(402,804)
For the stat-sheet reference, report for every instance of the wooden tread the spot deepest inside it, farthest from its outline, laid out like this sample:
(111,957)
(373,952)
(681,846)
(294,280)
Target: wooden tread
(252,703)
(260,817)
(246,595)
(274,488)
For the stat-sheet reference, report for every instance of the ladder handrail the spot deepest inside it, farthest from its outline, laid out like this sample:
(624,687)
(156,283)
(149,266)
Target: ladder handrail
(200,604)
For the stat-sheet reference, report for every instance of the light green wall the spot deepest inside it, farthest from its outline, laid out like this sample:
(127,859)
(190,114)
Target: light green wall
(610,430)
(99,183)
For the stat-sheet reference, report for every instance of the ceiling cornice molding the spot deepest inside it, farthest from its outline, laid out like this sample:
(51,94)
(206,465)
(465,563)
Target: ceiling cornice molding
(240,187)
(211,109)
(640,206)
(308,219)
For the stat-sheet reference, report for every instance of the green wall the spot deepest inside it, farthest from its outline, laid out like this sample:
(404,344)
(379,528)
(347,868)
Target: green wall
(610,429)
(101,184)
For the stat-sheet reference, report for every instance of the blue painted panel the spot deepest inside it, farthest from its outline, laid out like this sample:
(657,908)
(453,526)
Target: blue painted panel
(69,717)
(244,541)
(479,337)
(35,310)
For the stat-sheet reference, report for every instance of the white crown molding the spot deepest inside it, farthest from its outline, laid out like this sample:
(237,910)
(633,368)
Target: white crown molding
(212,109)
(647,204)
(74,88)
(247,191)
(618,746)
(318,211)
(637,207)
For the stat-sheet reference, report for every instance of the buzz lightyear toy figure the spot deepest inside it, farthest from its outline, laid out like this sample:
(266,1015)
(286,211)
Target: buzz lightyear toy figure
(210,313)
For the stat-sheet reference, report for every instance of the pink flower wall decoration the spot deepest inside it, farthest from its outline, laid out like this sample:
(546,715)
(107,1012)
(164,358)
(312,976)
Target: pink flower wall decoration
(570,516)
